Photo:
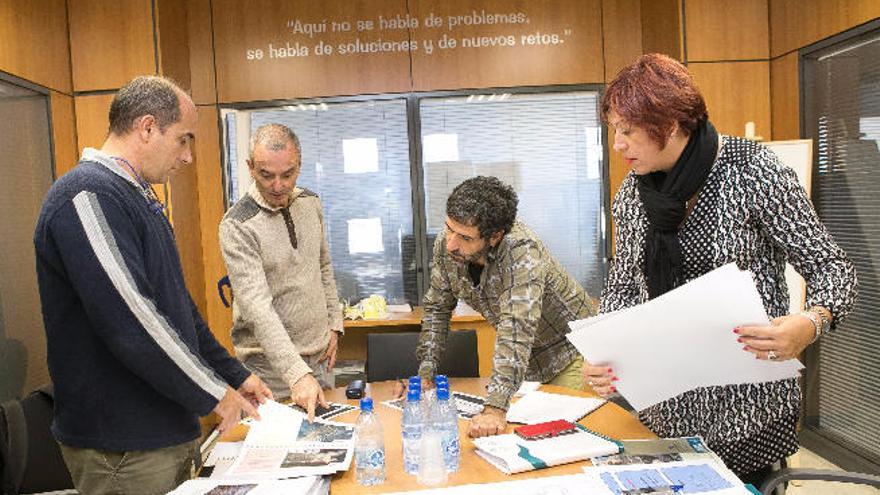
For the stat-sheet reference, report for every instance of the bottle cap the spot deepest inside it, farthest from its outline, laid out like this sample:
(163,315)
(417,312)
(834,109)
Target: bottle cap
(413,395)
(366,404)
(441,379)
(442,393)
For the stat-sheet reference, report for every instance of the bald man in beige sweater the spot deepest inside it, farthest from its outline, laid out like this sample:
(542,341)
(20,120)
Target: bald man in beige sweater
(286,315)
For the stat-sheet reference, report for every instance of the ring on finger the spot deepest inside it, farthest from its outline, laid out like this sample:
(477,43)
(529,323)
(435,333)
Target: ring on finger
(772,356)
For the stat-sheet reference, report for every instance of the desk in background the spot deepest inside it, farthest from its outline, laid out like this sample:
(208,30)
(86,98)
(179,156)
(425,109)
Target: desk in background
(353,345)
(610,419)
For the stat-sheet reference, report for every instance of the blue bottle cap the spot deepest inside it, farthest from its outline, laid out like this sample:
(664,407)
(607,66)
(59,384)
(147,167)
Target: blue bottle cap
(413,395)
(415,379)
(442,393)
(441,378)
(366,404)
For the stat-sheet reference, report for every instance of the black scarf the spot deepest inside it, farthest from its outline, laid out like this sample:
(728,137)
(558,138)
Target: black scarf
(665,196)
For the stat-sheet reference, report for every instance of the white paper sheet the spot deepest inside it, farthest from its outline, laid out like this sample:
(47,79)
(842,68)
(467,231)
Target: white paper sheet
(526,387)
(538,407)
(212,487)
(571,484)
(682,340)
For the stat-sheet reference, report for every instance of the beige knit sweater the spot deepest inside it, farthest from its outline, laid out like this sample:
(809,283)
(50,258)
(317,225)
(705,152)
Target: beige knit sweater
(285,301)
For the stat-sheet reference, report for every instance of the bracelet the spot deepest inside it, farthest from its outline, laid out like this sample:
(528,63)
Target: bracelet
(820,322)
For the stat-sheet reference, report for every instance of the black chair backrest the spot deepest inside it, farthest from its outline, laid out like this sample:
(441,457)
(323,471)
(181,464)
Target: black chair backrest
(31,459)
(393,355)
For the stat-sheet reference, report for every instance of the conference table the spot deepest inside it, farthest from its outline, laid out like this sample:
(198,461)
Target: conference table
(610,419)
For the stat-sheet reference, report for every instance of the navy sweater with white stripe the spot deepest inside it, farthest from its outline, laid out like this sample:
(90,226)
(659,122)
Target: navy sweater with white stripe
(132,361)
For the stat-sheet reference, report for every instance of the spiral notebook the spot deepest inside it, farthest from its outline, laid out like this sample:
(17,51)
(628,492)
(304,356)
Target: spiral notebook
(512,454)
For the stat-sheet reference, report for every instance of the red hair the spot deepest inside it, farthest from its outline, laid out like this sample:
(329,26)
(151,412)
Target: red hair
(654,93)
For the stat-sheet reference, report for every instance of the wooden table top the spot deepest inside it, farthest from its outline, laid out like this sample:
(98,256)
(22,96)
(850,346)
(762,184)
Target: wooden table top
(414,317)
(609,419)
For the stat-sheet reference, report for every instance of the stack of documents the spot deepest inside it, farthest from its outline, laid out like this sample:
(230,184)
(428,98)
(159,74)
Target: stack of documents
(512,454)
(682,340)
(283,444)
(540,407)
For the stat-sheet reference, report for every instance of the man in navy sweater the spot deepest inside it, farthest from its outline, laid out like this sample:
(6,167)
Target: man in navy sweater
(133,363)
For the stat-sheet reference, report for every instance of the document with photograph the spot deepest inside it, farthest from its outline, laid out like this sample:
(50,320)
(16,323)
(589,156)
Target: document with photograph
(657,451)
(322,412)
(468,405)
(704,477)
(684,336)
(284,444)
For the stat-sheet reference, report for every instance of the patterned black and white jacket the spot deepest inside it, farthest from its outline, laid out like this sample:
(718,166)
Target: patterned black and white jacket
(753,212)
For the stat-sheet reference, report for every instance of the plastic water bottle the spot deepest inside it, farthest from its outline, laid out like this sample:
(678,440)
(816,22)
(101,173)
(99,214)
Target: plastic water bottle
(432,467)
(369,448)
(447,415)
(411,430)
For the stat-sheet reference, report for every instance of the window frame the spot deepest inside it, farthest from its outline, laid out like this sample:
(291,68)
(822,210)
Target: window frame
(811,437)
(422,254)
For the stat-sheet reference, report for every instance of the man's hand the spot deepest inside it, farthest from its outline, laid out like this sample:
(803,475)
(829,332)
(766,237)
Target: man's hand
(492,421)
(330,353)
(306,392)
(230,408)
(255,391)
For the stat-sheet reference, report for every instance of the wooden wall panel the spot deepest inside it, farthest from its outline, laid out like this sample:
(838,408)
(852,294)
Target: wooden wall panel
(622,40)
(661,27)
(173,40)
(785,97)
(736,93)
(797,23)
(91,119)
(242,26)
(34,44)
(111,42)
(187,229)
(726,30)
(64,144)
(211,208)
(201,51)
(576,58)
(621,34)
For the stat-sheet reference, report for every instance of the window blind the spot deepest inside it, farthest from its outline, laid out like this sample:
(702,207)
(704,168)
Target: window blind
(842,116)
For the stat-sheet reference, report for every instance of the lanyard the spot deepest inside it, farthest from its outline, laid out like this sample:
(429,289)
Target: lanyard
(156,206)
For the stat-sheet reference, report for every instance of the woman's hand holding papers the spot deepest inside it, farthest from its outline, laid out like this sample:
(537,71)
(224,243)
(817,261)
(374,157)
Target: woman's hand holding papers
(600,377)
(785,338)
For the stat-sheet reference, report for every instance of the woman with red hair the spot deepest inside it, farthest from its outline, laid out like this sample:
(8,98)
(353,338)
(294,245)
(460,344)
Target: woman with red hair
(696,200)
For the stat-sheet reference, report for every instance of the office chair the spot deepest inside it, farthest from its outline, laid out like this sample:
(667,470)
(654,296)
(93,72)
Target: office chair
(788,474)
(30,458)
(393,355)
